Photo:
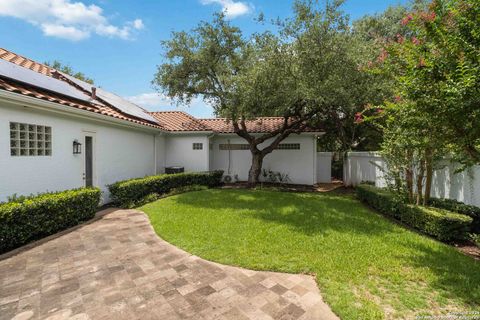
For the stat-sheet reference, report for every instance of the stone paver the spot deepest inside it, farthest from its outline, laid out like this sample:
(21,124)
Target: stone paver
(118,268)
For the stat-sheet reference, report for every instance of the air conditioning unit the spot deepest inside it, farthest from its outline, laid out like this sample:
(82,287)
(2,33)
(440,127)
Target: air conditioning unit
(230,178)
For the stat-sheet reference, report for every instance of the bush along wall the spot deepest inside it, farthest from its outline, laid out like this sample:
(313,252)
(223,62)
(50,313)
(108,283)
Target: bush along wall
(459,207)
(440,223)
(29,218)
(133,192)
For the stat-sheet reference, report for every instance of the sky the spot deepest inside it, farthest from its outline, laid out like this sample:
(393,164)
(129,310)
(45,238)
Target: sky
(118,43)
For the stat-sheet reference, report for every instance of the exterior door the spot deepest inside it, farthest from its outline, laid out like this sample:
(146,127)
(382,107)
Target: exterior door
(88,161)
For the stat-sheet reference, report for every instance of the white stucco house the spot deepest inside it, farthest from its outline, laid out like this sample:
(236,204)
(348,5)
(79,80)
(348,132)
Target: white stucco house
(59,133)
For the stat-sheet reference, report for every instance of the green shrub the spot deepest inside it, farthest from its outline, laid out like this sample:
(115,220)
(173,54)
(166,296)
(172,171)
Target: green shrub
(439,223)
(459,207)
(381,199)
(130,193)
(35,217)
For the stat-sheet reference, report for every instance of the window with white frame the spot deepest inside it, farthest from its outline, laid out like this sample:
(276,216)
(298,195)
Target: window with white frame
(197,146)
(30,140)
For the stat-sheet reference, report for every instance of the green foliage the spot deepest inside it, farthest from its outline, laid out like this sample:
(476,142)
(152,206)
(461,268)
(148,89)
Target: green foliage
(57,65)
(365,266)
(134,192)
(459,207)
(437,73)
(35,217)
(381,27)
(439,223)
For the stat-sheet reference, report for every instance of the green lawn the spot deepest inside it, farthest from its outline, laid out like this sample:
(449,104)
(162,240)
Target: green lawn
(366,266)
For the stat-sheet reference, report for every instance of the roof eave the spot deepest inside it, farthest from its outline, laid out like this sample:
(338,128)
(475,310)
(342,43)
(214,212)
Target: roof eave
(36,103)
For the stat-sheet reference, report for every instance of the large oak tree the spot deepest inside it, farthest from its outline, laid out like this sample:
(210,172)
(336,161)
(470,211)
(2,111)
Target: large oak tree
(307,71)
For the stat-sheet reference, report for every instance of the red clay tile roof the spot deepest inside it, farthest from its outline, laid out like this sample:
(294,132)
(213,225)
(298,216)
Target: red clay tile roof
(259,125)
(177,121)
(28,90)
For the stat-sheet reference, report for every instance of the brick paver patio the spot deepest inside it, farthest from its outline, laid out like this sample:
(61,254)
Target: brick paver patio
(118,268)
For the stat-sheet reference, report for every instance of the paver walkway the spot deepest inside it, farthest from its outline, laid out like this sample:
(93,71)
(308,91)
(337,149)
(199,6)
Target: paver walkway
(118,268)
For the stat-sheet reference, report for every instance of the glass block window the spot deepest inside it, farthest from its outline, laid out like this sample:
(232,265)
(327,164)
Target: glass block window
(30,140)
(289,146)
(234,146)
(198,146)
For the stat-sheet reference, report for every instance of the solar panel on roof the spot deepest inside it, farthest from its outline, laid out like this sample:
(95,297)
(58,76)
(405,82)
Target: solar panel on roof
(124,105)
(116,101)
(82,84)
(33,78)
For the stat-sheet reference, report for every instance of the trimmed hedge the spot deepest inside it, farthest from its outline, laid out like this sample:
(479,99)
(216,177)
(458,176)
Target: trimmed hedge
(439,223)
(459,207)
(31,218)
(129,193)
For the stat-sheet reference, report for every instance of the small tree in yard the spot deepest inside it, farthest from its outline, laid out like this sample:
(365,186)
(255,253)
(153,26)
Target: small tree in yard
(305,73)
(436,108)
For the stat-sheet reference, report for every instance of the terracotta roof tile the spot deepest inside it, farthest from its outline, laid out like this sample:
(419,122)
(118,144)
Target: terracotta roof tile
(259,125)
(179,121)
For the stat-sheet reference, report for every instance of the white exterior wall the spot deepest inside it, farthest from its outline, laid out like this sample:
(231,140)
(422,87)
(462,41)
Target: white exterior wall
(119,153)
(299,164)
(179,152)
(324,167)
(463,186)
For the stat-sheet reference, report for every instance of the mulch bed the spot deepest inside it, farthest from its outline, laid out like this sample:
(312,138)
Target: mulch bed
(321,187)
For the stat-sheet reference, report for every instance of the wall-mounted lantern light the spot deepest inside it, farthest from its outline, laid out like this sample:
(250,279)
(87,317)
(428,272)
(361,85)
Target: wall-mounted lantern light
(77,147)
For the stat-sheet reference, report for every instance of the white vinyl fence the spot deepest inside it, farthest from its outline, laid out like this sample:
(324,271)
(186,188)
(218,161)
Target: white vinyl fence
(463,186)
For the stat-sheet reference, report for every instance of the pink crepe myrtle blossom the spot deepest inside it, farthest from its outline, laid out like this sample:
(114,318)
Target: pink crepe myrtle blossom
(400,38)
(358,117)
(407,19)
(415,41)
(428,16)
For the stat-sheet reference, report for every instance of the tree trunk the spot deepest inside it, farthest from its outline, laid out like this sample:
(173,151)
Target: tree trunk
(429,176)
(409,177)
(421,173)
(256,168)
(409,181)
